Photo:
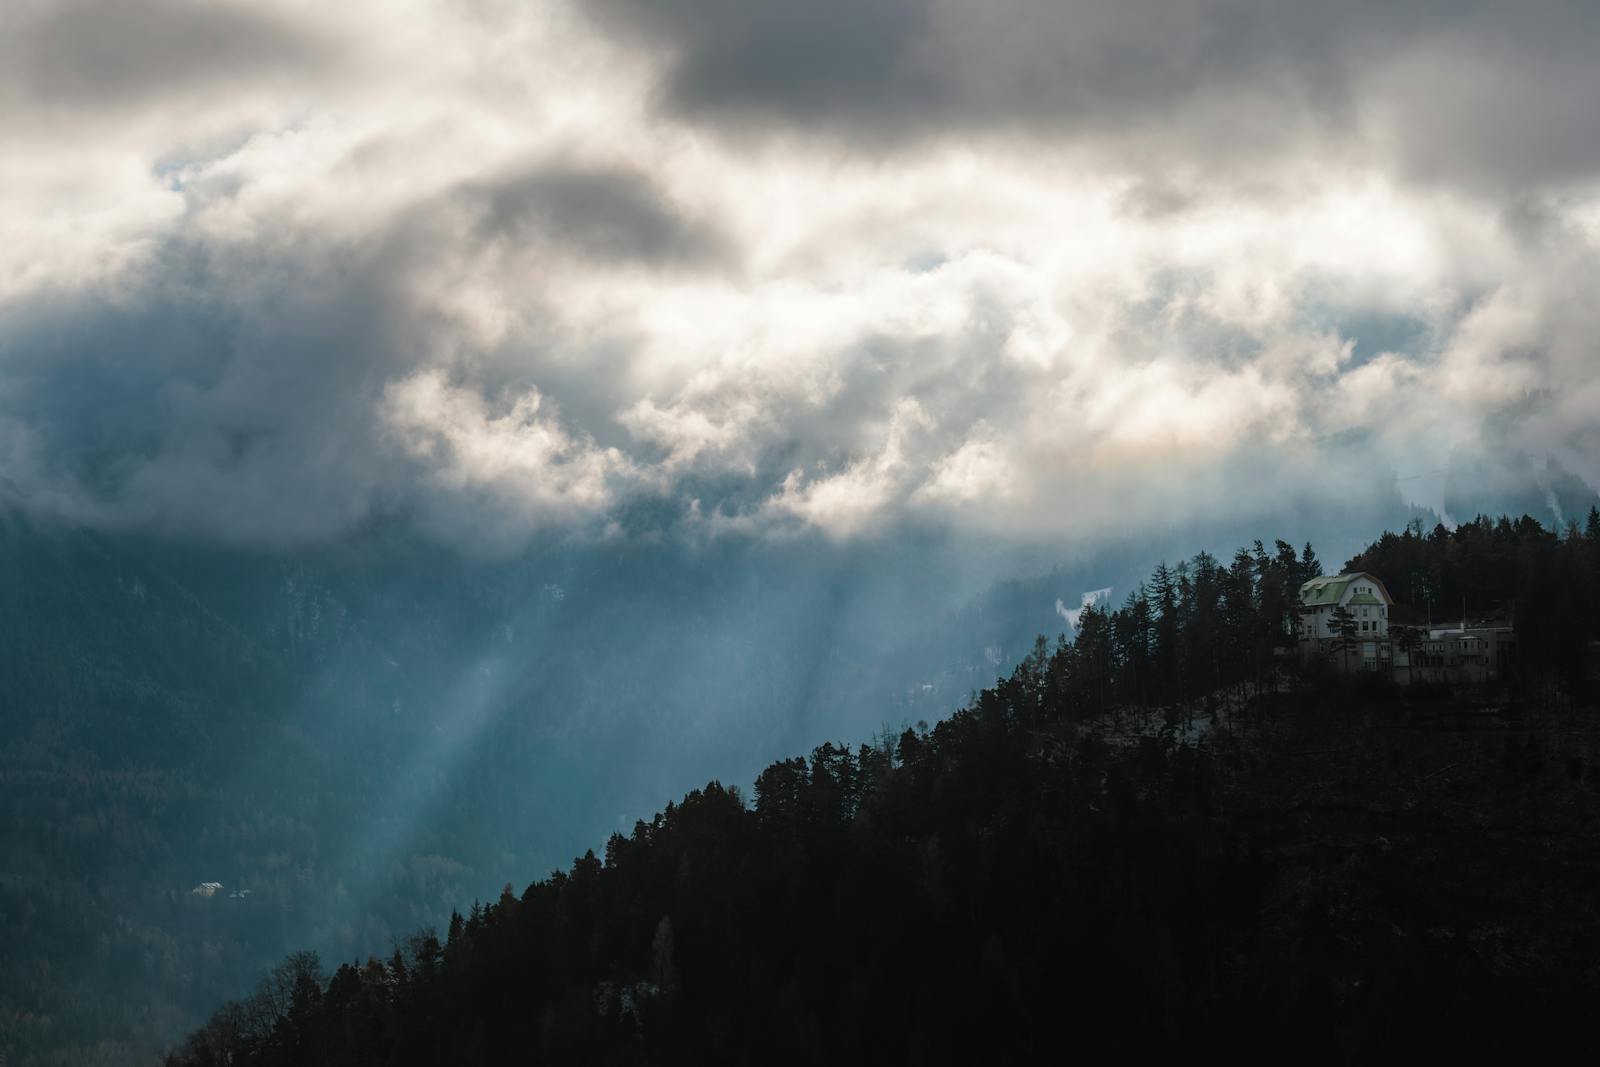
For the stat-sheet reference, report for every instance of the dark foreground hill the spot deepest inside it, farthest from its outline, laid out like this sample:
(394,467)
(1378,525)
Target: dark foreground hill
(1326,877)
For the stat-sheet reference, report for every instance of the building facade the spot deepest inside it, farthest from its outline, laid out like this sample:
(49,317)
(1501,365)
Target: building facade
(1476,651)
(1473,652)
(1362,600)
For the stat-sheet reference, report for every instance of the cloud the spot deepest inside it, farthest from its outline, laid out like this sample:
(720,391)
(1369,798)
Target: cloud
(1446,91)
(192,401)
(978,470)
(67,56)
(1041,271)
(519,456)
(613,216)
(848,502)
(799,60)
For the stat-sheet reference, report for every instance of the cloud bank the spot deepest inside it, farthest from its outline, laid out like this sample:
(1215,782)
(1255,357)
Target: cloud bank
(271,272)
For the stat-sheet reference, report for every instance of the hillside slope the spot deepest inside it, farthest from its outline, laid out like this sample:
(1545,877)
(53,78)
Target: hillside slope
(1322,879)
(1155,840)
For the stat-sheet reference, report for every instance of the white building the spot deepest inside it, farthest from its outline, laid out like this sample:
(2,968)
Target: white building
(1474,651)
(1367,601)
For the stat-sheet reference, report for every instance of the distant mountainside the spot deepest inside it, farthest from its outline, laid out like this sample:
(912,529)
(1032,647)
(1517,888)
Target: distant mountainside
(1504,481)
(355,739)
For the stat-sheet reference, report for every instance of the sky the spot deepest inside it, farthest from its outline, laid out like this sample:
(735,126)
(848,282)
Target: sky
(702,269)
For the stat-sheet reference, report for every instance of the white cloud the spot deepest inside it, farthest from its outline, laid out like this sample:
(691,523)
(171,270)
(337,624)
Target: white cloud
(548,292)
(521,454)
(979,471)
(858,497)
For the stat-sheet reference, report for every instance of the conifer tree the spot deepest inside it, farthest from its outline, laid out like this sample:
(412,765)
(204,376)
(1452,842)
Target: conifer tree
(1344,634)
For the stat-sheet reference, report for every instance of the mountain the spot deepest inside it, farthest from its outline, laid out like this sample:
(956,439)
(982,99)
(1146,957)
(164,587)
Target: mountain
(1499,479)
(353,739)
(1277,869)
(1160,840)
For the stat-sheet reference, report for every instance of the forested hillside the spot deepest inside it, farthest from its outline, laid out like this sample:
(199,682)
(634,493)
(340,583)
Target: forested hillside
(355,738)
(1153,841)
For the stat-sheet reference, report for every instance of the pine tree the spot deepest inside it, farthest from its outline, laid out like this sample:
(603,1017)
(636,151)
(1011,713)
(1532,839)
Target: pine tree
(1344,634)
(1310,565)
(1407,639)
(1164,605)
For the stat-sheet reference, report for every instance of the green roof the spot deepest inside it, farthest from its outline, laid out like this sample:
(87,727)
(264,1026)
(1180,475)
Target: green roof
(1325,590)
(1329,589)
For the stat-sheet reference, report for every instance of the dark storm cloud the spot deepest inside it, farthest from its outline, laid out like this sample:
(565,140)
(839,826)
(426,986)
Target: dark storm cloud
(876,63)
(199,405)
(500,299)
(1462,91)
(805,61)
(238,388)
(79,54)
(603,215)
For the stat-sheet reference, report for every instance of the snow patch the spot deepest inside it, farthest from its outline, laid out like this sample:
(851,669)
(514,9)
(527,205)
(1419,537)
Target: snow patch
(1093,597)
